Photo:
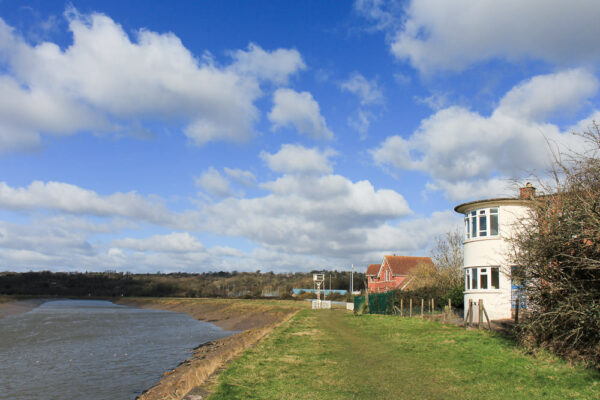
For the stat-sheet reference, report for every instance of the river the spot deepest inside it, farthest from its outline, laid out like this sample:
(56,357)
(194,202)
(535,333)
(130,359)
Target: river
(93,350)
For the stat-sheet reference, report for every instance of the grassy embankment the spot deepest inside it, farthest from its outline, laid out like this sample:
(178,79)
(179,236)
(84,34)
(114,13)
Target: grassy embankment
(334,355)
(255,318)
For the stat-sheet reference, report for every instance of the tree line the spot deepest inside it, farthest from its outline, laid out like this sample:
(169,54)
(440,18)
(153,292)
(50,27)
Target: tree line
(209,284)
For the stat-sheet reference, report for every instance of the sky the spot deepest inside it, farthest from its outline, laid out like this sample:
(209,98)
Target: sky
(148,136)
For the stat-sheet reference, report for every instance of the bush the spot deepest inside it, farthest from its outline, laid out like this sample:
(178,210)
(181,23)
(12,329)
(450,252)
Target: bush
(557,255)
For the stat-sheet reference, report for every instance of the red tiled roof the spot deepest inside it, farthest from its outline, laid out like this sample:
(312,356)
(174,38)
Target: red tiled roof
(373,269)
(401,265)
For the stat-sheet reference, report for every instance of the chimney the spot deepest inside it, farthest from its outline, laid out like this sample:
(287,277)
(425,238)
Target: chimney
(527,192)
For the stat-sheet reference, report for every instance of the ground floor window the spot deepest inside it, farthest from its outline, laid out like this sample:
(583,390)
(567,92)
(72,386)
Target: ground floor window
(482,278)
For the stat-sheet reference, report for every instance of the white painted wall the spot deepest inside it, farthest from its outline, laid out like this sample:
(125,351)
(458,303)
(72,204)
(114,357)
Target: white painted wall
(493,251)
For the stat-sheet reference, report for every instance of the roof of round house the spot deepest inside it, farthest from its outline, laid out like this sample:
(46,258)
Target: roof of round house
(401,265)
(462,208)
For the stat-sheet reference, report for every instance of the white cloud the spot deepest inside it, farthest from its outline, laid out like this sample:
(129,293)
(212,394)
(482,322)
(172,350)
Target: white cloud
(369,94)
(305,222)
(361,122)
(545,95)
(383,13)
(451,35)
(410,237)
(301,111)
(276,66)
(298,159)
(214,183)
(171,243)
(461,149)
(70,199)
(45,239)
(326,216)
(244,178)
(475,189)
(104,80)
(367,91)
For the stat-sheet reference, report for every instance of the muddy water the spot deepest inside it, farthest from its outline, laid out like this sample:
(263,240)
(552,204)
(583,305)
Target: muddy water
(93,350)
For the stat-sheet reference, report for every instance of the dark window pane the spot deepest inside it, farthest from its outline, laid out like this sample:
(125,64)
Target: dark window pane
(495,278)
(482,226)
(493,224)
(473,226)
(483,281)
(474,278)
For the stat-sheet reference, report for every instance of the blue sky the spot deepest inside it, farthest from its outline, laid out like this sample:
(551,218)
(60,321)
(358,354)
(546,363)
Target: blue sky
(193,136)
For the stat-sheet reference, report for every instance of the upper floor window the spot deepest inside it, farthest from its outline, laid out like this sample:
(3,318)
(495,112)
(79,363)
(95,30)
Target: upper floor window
(481,223)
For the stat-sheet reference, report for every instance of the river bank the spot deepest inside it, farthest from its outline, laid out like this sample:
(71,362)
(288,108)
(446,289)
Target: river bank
(13,306)
(255,318)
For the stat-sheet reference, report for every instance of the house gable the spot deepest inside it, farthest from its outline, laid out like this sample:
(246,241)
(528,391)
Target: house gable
(392,273)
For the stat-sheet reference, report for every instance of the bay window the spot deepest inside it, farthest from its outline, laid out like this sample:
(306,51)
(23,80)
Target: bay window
(481,223)
(482,278)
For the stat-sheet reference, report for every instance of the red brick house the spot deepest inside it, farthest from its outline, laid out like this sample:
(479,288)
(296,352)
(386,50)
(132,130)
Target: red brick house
(392,273)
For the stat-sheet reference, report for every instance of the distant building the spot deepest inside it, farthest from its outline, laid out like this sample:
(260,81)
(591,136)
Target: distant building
(392,273)
(488,226)
(327,292)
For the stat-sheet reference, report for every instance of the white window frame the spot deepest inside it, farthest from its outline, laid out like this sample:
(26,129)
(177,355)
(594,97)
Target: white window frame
(478,223)
(468,278)
(474,275)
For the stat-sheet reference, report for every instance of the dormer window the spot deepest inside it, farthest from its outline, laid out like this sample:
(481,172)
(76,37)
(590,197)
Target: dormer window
(481,223)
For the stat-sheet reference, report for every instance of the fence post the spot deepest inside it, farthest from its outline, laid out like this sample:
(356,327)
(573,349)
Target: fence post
(401,307)
(470,311)
(486,315)
(410,307)
(422,304)
(479,318)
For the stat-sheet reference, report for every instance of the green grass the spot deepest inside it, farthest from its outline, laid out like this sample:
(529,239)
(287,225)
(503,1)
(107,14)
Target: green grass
(334,355)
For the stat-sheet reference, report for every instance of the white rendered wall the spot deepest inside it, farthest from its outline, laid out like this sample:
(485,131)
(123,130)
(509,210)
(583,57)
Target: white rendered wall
(493,252)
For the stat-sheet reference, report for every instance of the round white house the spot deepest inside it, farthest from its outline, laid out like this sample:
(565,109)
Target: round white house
(489,224)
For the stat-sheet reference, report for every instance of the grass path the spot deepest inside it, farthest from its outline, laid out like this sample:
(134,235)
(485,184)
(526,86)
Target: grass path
(330,354)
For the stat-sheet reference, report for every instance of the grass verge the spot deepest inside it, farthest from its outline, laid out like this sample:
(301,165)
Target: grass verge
(330,354)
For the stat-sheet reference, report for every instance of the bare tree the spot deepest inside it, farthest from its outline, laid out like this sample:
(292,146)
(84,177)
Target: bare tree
(445,274)
(557,255)
(447,255)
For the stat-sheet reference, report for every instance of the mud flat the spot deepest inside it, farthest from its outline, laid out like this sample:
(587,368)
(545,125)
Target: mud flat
(255,318)
(12,307)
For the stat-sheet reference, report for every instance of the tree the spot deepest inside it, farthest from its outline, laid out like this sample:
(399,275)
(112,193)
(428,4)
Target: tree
(556,252)
(445,276)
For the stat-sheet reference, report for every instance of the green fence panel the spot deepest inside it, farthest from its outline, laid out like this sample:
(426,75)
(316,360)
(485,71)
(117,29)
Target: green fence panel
(379,303)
